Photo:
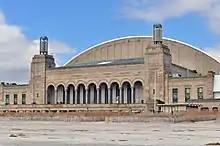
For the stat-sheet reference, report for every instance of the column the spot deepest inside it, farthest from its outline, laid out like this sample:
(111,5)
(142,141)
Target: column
(81,94)
(137,96)
(98,98)
(103,95)
(132,95)
(71,95)
(87,96)
(45,98)
(65,94)
(55,97)
(109,94)
(76,94)
(120,93)
(125,91)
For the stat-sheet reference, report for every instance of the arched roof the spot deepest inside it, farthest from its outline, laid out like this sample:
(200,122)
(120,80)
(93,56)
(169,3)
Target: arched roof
(130,37)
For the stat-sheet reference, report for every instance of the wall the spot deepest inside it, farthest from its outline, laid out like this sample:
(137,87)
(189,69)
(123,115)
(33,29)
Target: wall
(97,75)
(216,88)
(37,82)
(191,82)
(175,69)
(158,65)
(16,89)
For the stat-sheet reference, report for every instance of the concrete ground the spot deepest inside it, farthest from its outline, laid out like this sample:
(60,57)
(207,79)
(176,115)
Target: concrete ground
(57,133)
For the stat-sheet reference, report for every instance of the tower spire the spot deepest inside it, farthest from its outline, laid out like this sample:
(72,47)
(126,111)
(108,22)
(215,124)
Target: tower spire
(44,45)
(157,34)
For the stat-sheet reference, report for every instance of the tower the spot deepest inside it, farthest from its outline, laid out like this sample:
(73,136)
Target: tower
(157,34)
(39,65)
(158,62)
(44,45)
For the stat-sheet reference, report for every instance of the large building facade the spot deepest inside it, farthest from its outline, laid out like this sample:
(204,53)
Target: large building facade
(129,70)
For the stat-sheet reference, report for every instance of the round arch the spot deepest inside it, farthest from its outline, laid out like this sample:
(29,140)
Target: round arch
(137,80)
(81,82)
(103,81)
(92,92)
(103,87)
(114,81)
(70,83)
(50,98)
(126,80)
(60,90)
(58,84)
(51,84)
(91,82)
(138,91)
(126,96)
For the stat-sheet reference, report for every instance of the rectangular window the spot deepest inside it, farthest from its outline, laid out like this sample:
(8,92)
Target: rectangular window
(23,98)
(187,94)
(15,98)
(7,99)
(175,95)
(200,92)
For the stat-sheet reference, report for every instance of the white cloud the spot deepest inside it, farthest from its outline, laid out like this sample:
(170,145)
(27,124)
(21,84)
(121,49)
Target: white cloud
(160,10)
(16,52)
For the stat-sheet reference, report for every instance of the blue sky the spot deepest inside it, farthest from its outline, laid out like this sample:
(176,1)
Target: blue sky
(83,23)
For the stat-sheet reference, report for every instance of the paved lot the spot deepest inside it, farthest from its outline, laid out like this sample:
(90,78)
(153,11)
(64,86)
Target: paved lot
(48,133)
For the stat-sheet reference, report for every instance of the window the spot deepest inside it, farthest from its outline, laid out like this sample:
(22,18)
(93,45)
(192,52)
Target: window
(7,99)
(200,92)
(187,94)
(23,99)
(175,95)
(15,98)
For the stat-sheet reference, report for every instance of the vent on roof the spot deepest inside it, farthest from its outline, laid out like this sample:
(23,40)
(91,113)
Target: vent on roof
(175,75)
(105,62)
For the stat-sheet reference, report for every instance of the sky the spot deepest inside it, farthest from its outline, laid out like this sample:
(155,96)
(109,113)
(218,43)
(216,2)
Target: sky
(73,26)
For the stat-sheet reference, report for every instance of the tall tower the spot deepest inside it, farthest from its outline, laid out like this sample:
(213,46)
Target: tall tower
(39,65)
(158,62)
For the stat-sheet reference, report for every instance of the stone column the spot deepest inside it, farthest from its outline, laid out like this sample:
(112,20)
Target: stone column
(132,95)
(97,96)
(76,92)
(120,93)
(87,96)
(71,95)
(125,91)
(65,94)
(45,98)
(109,94)
(103,95)
(81,95)
(55,97)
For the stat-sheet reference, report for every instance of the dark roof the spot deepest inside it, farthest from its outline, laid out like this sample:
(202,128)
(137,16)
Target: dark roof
(105,63)
(189,77)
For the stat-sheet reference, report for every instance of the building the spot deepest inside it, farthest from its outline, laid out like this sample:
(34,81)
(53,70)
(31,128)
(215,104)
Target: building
(131,70)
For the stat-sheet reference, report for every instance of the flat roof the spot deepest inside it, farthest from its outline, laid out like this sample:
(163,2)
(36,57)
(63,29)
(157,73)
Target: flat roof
(104,63)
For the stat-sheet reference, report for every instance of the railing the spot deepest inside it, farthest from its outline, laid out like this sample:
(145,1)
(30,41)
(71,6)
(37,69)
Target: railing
(72,106)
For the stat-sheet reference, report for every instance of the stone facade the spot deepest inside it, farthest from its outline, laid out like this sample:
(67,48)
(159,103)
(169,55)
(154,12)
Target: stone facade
(150,76)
